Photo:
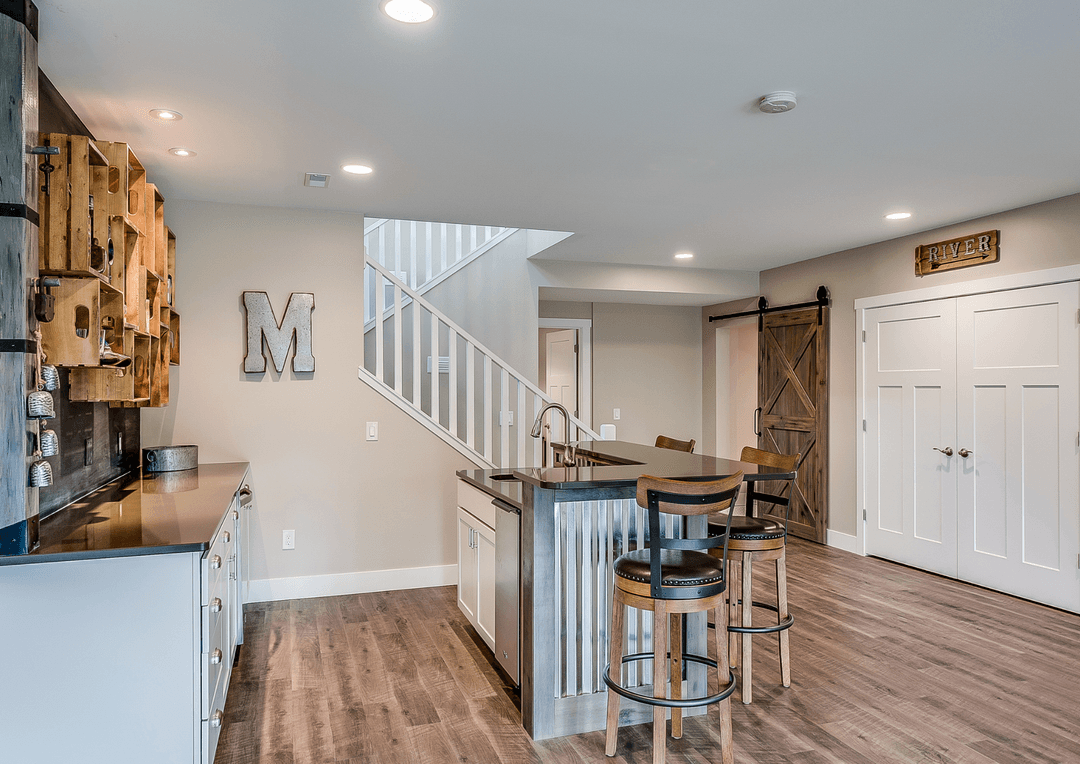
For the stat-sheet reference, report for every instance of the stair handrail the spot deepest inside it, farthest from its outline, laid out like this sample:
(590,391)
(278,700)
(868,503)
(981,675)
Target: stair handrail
(417,298)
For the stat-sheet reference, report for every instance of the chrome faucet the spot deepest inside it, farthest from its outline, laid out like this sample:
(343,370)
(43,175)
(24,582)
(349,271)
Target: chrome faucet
(568,449)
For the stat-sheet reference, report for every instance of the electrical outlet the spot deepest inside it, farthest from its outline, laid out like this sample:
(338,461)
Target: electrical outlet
(88,452)
(616,414)
(288,539)
(372,430)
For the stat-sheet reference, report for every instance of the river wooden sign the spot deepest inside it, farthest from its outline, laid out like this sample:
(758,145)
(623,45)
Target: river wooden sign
(963,252)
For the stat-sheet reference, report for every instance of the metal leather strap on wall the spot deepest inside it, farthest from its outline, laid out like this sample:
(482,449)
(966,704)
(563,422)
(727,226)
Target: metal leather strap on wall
(19,211)
(822,301)
(29,347)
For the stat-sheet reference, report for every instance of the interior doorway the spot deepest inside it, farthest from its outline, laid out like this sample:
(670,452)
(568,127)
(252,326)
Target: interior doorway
(565,366)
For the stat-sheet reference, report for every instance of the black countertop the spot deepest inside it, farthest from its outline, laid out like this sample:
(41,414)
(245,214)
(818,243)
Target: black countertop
(163,513)
(639,460)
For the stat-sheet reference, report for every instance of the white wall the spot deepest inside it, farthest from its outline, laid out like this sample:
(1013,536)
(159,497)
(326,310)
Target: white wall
(356,506)
(1037,237)
(647,363)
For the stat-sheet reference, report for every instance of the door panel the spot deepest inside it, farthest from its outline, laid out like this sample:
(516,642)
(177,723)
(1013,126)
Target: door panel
(910,401)
(793,394)
(561,382)
(1018,414)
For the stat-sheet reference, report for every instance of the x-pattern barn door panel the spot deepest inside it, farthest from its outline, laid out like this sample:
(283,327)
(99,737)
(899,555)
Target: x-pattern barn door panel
(793,393)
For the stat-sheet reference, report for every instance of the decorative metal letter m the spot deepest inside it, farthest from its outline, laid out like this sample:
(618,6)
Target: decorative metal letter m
(261,325)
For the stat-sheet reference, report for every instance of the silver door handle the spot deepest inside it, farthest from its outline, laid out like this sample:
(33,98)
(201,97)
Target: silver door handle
(948,451)
(965,453)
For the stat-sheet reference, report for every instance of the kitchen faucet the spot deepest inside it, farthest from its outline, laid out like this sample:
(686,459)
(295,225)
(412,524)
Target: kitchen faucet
(568,448)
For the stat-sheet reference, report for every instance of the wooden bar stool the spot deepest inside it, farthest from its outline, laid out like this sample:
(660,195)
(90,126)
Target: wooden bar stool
(663,441)
(673,577)
(758,539)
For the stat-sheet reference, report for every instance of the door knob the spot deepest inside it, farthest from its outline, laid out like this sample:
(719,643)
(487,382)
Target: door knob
(948,451)
(965,453)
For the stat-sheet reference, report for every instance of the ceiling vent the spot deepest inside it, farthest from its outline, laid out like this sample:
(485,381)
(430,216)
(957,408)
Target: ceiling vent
(778,102)
(316,179)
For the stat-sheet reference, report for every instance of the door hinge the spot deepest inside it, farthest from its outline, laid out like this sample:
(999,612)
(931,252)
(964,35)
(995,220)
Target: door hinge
(864,514)
(864,425)
(575,348)
(864,335)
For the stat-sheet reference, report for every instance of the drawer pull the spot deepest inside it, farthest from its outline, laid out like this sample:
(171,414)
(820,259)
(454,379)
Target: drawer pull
(215,605)
(216,718)
(215,561)
(215,656)
(227,536)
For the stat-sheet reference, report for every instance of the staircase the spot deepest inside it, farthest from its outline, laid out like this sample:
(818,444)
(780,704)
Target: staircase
(423,255)
(446,379)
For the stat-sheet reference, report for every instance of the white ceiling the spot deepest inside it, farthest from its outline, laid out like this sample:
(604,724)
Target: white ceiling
(632,123)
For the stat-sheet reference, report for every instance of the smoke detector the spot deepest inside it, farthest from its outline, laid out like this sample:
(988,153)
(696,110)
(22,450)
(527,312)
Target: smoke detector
(778,102)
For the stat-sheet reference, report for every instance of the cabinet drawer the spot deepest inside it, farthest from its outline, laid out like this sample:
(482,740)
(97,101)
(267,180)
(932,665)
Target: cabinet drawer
(215,659)
(216,561)
(477,503)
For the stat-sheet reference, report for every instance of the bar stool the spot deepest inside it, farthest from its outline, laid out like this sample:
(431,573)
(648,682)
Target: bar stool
(673,577)
(663,441)
(758,539)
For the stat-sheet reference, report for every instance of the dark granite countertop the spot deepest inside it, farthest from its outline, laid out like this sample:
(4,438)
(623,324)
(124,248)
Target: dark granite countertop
(635,460)
(163,513)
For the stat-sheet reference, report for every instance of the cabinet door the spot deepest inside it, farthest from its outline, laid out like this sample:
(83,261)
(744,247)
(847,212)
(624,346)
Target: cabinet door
(485,605)
(467,570)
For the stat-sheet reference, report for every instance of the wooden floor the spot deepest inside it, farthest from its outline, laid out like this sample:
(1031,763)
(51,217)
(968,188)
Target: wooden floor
(890,665)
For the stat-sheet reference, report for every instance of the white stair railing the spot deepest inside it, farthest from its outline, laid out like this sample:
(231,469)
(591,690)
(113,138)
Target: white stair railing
(450,382)
(423,254)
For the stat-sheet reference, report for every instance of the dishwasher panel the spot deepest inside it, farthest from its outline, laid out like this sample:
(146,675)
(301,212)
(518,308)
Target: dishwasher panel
(507,587)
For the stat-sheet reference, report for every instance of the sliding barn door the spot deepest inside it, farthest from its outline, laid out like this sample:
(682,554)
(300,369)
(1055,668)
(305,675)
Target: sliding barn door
(793,394)
(1018,457)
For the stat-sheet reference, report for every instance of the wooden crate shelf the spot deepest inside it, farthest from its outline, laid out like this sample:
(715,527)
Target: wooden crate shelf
(116,260)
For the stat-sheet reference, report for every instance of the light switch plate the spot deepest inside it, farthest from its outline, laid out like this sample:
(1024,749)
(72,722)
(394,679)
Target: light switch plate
(616,414)
(372,430)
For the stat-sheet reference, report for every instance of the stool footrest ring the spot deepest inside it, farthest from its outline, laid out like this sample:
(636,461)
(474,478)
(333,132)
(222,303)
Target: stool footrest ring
(649,700)
(784,624)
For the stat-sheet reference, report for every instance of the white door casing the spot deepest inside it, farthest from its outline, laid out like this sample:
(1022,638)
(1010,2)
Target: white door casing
(1018,417)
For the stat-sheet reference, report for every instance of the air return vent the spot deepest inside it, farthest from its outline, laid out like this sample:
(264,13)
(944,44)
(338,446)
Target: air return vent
(316,179)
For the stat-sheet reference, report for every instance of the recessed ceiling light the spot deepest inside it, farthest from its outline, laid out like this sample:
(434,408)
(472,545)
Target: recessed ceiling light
(684,256)
(356,169)
(408,11)
(898,216)
(166,115)
(182,152)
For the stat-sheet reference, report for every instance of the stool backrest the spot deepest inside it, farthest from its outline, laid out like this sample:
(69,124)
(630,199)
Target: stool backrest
(779,462)
(663,441)
(687,498)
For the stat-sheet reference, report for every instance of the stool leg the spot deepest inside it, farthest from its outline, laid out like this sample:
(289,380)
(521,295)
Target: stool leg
(676,672)
(660,665)
(723,672)
(733,610)
(746,658)
(618,617)
(781,604)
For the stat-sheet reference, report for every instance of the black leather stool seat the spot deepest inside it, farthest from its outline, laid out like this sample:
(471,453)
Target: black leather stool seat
(748,528)
(677,567)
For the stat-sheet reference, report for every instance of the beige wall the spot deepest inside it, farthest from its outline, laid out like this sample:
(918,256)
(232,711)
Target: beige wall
(647,362)
(1037,237)
(355,505)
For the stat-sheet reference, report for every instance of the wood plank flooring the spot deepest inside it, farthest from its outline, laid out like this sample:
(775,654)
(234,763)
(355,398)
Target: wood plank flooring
(889,664)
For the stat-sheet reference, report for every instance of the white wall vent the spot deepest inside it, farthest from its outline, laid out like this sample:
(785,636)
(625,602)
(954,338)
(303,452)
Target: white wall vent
(316,180)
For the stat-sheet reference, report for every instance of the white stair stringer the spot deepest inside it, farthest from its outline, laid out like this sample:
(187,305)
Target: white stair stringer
(474,400)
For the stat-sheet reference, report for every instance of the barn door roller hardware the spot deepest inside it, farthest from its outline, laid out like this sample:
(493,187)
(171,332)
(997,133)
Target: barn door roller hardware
(822,301)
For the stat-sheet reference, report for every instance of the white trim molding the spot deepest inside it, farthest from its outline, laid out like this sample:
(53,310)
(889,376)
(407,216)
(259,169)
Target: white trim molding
(359,582)
(844,541)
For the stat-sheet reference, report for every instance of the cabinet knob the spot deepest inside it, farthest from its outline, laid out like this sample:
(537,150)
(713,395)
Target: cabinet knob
(215,561)
(215,656)
(216,719)
(215,605)
(235,515)
(227,536)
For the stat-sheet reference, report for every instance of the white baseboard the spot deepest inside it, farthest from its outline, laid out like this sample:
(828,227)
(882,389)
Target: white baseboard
(844,541)
(304,587)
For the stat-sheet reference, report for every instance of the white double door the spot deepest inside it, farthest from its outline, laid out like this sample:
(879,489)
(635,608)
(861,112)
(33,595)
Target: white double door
(972,447)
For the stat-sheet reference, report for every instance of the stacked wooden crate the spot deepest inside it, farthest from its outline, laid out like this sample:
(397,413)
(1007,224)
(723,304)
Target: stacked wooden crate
(103,233)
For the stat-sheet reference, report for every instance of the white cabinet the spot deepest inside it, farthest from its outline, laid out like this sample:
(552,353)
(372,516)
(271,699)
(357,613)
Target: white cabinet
(476,560)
